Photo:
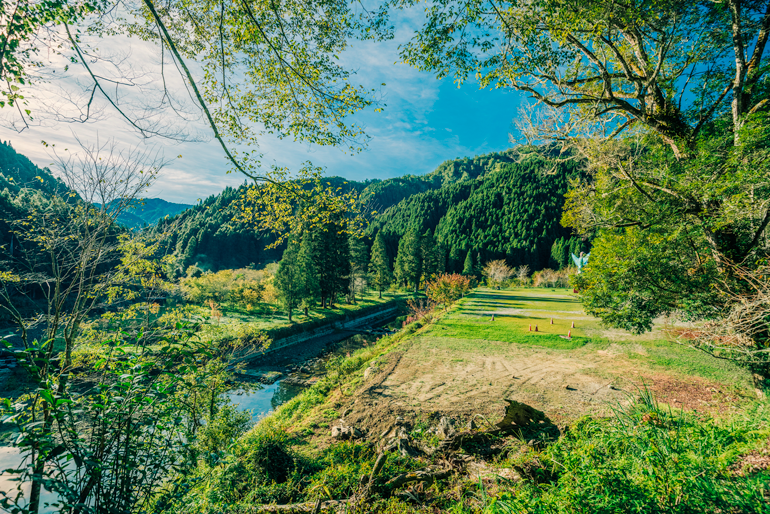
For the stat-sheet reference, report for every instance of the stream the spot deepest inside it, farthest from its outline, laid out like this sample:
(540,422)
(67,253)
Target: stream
(298,367)
(295,366)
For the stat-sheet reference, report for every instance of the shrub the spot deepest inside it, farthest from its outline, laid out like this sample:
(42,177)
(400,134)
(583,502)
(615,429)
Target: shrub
(552,278)
(447,289)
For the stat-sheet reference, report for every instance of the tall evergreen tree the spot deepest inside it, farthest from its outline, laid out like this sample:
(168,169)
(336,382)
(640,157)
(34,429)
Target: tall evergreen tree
(468,268)
(455,260)
(288,278)
(379,265)
(359,262)
(308,272)
(408,260)
(432,256)
(332,256)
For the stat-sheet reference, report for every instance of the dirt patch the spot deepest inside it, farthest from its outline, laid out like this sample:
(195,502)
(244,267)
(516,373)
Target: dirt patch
(691,394)
(754,462)
(432,378)
(437,377)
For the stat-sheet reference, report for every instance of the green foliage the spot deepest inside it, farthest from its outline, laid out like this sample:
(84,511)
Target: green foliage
(645,459)
(289,278)
(331,254)
(634,276)
(379,265)
(468,267)
(562,250)
(104,426)
(213,235)
(512,211)
(243,288)
(222,430)
(408,267)
(432,256)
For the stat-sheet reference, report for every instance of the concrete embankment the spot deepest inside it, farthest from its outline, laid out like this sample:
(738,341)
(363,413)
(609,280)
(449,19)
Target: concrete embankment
(330,332)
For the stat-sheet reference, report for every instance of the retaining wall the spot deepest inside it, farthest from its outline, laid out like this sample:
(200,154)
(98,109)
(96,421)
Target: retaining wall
(323,330)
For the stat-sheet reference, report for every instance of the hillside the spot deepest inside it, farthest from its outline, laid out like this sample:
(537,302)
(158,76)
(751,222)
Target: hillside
(17,172)
(498,205)
(512,211)
(148,211)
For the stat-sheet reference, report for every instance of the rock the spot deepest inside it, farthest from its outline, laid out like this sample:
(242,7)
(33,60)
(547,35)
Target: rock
(446,427)
(344,433)
(370,372)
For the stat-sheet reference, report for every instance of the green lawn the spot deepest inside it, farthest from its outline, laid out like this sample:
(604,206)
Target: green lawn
(515,310)
(541,317)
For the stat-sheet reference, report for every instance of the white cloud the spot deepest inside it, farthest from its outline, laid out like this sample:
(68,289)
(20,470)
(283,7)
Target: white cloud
(406,137)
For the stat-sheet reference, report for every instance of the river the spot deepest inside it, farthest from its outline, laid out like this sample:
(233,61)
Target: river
(305,362)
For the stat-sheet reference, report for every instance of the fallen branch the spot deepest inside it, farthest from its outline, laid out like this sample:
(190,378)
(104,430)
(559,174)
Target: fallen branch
(415,476)
(309,507)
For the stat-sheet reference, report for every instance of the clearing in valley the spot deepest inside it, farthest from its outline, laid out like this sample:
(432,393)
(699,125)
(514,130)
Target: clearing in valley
(468,362)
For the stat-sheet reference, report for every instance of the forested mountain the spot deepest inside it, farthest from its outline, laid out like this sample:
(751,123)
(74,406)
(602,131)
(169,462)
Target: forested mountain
(211,235)
(149,211)
(513,211)
(17,172)
(23,186)
(498,205)
(381,194)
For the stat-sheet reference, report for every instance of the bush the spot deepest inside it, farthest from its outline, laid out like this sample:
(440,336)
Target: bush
(552,278)
(243,287)
(222,430)
(447,289)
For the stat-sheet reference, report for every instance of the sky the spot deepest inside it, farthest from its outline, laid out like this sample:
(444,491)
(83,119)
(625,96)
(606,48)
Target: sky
(424,122)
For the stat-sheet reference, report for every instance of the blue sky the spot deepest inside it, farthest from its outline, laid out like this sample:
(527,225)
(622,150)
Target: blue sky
(424,122)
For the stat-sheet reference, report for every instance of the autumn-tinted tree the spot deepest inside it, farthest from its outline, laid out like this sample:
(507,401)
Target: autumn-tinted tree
(497,272)
(446,289)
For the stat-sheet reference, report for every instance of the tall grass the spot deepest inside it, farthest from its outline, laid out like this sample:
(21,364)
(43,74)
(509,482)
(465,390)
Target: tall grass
(645,459)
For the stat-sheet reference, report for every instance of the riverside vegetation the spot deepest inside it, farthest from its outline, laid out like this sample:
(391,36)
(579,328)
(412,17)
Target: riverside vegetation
(514,383)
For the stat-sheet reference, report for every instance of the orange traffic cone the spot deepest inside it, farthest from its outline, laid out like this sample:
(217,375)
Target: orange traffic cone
(535,328)
(573,324)
(551,321)
(569,334)
(530,328)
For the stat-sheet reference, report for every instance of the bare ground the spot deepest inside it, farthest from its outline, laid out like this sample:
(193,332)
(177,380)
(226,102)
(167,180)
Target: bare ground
(433,377)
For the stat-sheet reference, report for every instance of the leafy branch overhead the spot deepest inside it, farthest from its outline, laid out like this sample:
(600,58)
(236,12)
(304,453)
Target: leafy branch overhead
(248,69)
(288,204)
(671,66)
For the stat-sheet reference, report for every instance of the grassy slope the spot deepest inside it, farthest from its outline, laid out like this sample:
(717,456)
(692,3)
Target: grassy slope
(277,325)
(645,457)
